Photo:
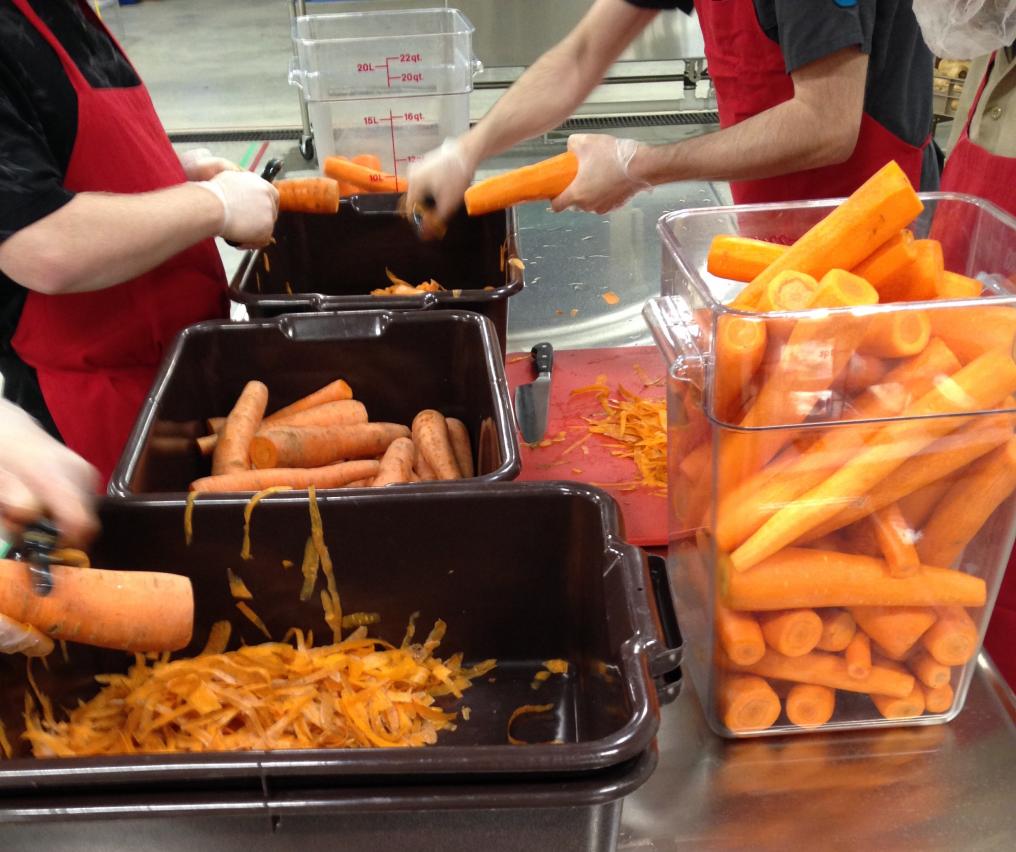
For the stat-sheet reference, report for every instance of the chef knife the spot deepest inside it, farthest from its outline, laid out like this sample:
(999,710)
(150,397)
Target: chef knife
(533,400)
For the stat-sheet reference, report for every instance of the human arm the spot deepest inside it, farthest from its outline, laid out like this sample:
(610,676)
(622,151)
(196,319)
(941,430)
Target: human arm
(544,96)
(816,127)
(97,240)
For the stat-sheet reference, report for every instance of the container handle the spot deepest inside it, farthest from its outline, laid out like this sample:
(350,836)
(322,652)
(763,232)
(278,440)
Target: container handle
(296,74)
(475,66)
(665,660)
(670,321)
(331,326)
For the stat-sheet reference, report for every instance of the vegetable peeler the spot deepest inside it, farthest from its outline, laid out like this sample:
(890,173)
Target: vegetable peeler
(38,542)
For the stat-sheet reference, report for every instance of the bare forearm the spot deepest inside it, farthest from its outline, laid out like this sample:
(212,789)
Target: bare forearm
(98,240)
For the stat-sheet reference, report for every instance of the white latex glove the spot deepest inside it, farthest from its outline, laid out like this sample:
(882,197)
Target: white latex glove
(444,175)
(249,207)
(603,181)
(18,638)
(201,164)
(40,476)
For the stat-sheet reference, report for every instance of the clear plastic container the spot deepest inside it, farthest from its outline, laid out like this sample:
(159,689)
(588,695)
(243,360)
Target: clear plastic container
(389,83)
(797,494)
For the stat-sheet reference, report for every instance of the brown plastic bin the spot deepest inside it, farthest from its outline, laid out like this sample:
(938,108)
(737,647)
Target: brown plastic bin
(331,263)
(397,363)
(521,572)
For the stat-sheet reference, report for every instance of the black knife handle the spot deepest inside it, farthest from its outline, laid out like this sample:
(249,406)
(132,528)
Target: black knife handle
(272,169)
(543,357)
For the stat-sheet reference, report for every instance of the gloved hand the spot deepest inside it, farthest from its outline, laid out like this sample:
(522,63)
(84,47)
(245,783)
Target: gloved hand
(249,204)
(18,638)
(444,175)
(39,476)
(604,181)
(201,164)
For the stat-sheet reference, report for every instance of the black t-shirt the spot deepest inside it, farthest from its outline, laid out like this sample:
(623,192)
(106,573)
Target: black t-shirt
(898,92)
(38,126)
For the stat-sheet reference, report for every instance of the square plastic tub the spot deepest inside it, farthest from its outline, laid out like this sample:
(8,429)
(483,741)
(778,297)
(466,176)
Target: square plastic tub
(521,573)
(787,491)
(394,84)
(397,362)
(332,263)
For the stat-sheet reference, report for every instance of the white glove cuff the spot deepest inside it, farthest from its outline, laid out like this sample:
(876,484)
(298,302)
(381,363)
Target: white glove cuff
(626,150)
(219,193)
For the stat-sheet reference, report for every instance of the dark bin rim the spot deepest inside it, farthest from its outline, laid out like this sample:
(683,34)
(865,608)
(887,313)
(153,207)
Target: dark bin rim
(289,325)
(589,790)
(648,666)
(284,302)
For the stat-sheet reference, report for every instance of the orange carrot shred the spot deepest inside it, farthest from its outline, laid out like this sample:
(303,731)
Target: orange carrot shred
(188,518)
(525,709)
(237,587)
(309,569)
(253,617)
(218,638)
(249,509)
(611,298)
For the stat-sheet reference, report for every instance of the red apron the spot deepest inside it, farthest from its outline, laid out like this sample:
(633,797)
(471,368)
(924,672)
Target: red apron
(749,75)
(973,170)
(96,354)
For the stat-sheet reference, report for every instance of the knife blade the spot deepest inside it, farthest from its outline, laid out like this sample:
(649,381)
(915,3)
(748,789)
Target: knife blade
(533,400)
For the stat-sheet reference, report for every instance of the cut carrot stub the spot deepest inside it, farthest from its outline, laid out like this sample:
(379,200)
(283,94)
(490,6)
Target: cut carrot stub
(838,628)
(747,703)
(881,207)
(971,331)
(802,577)
(901,708)
(308,195)
(956,286)
(863,372)
(928,670)
(539,181)
(980,385)
(895,540)
(792,633)
(937,699)
(809,705)
(788,291)
(742,511)
(740,635)
(370,180)
(740,347)
(921,280)
(953,638)
(943,458)
(965,507)
(892,257)
(826,670)
(858,656)
(741,258)
(899,334)
(896,629)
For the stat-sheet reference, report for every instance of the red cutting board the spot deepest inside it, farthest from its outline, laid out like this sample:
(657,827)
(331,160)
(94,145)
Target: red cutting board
(644,511)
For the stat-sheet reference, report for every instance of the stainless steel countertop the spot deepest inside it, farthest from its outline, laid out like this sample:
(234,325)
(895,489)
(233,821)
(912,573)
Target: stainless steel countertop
(942,787)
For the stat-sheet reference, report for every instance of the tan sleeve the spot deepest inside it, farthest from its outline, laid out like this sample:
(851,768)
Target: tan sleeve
(970,87)
(994,122)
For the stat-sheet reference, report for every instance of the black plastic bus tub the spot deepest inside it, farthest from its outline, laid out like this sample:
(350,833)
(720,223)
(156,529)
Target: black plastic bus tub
(521,572)
(397,363)
(581,814)
(331,263)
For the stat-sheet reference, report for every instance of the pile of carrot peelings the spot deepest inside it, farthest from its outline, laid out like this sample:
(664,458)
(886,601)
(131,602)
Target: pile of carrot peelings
(638,429)
(357,693)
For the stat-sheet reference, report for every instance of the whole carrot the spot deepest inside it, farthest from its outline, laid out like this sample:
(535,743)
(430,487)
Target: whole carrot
(953,638)
(838,629)
(314,446)
(367,160)
(825,670)
(230,454)
(809,705)
(126,610)
(739,635)
(543,180)
(459,436)
(345,412)
(370,180)
(422,468)
(397,463)
(430,434)
(928,670)
(740,258)
(332,392)
(921,280)
(858,656)
(793,633)
(330,476)
(308,195)
(802,577)
(965,507)
(881,207)
(977,386)
(892,257)
(747,703)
